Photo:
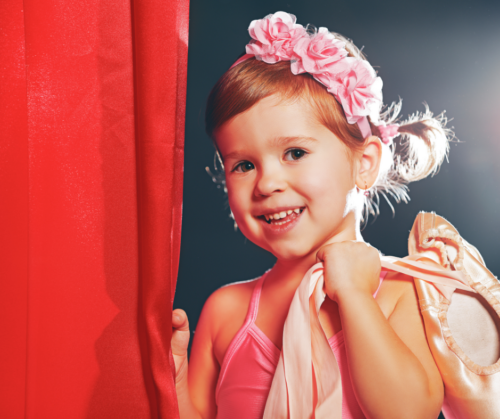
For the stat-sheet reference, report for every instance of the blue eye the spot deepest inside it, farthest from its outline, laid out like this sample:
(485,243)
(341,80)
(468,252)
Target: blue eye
(295,154)
(243,167)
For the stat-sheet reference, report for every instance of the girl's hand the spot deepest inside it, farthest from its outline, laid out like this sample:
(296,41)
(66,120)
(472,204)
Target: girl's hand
(179,344)
(350,266)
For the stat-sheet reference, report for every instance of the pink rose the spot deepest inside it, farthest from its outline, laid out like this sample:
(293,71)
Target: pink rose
(315,53)
(352,81)
(356,86)
(274,37)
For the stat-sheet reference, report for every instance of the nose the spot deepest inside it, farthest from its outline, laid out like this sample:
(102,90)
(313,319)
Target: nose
(269,182)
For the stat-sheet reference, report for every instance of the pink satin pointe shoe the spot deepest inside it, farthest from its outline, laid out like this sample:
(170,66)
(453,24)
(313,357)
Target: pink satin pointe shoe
(462,332)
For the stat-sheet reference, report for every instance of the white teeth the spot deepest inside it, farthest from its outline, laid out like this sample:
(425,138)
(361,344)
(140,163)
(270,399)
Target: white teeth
(280,215)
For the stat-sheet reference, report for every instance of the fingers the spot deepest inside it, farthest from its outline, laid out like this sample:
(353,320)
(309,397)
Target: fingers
(323,251)
(180,333)
(346,246)
(180,320)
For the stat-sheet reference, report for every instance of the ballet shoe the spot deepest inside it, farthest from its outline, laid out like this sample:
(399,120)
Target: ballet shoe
(462,332)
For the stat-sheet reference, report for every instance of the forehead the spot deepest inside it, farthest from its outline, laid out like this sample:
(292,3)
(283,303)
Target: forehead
(268,119)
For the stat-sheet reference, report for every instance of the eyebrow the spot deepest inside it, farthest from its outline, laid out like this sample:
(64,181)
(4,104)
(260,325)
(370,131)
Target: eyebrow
(299,140)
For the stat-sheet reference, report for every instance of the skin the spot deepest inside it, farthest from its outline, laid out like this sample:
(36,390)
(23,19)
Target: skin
(276,154)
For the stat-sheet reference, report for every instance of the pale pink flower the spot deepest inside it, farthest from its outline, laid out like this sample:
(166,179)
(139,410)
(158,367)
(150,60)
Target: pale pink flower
(351,80)
(315,53)
(356,86)
(274,37)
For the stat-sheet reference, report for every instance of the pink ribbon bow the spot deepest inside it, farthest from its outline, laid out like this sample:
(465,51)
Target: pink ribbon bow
(388,132)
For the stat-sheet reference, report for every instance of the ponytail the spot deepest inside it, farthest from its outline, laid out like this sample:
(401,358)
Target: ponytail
(425,141)
(418,151)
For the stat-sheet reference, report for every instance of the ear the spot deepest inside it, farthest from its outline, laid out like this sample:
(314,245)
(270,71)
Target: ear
(369,163)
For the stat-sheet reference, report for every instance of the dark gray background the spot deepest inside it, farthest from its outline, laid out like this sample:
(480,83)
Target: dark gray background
(445,53)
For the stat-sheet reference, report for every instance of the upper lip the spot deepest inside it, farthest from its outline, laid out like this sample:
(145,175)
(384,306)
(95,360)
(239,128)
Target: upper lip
(272,211)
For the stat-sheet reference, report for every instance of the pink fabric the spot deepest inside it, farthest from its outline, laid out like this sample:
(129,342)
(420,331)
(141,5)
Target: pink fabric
(317,52)
(364,127)
(249,365)
(444,280)
(344,95)
(388,132)
(353,81)
(274,37)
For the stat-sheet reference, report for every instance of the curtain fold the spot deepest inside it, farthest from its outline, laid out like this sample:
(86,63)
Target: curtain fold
(92,105)
(160,53)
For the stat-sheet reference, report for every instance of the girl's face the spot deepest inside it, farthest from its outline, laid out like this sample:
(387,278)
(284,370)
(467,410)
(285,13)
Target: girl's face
(290,180)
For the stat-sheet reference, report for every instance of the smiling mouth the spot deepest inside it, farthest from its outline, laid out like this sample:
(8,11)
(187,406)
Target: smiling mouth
(282,217)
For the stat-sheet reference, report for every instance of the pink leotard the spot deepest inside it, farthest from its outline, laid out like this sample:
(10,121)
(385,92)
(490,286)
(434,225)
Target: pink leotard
(250,361)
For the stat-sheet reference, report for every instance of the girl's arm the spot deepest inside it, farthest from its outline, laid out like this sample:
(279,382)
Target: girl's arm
(391,367)
(222,316)
(195,384)
(179,345)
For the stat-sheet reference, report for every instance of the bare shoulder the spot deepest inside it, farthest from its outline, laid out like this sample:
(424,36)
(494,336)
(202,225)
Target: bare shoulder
(398,290)
(395,287)
(228,301)
(224,313)
(398,300)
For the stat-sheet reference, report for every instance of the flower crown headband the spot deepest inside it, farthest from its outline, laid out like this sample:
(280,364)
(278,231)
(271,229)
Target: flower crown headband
(352,81)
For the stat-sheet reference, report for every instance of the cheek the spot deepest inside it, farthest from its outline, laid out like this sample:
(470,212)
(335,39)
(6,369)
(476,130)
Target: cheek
(239,202)
(235,202)
(326,183)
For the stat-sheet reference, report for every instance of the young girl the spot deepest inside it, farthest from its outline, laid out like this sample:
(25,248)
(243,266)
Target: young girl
(299,128)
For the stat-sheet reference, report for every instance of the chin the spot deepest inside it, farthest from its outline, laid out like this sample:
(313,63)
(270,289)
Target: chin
(291,252)
(289,249)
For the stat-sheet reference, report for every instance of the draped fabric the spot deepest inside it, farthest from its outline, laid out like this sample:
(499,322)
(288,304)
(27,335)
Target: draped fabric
(92,105)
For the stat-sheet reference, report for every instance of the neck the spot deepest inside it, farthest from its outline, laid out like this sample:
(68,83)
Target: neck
(289,272)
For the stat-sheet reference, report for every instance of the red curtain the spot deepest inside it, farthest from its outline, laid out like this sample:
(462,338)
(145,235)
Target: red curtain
(92,105)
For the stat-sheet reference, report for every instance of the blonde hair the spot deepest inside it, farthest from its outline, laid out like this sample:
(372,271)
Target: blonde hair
(417,152)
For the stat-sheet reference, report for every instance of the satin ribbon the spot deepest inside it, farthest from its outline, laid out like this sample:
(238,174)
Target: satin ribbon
(307,359)
(444,280)
(305,347)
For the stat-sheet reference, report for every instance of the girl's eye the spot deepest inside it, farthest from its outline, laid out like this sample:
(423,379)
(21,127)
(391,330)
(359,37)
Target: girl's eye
(244,167)
(295,154)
